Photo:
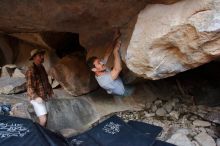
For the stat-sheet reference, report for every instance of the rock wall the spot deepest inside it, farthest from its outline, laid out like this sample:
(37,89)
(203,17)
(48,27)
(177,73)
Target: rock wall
(73,74)
(92,19)
(160,38)
(168,39)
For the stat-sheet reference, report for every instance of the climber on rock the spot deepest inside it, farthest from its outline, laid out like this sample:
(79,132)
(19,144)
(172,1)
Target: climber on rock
(106,78)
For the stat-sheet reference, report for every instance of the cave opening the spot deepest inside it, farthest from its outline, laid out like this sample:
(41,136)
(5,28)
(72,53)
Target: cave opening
(63,42)
(2,60)
(199,86)
(202,83)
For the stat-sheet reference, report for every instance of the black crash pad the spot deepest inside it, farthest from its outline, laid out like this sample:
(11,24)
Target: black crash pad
(24,132)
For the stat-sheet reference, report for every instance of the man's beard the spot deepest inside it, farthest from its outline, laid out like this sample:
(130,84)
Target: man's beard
(42,61)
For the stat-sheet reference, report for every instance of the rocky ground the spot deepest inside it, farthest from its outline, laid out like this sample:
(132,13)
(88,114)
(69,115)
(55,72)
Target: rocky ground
(183,125)
(183,122)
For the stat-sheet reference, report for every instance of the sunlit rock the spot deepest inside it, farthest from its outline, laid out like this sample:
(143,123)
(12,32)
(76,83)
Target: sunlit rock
(168,39)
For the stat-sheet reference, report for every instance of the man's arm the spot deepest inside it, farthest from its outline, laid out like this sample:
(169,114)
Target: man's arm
(30,89)
(117,61)
(111,46)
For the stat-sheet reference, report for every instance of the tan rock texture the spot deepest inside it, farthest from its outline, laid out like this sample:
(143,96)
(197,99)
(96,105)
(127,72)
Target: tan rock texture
(168,39)
(73,75)
(94,20)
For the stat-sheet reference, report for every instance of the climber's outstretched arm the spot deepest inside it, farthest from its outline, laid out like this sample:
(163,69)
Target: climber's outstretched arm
(112,45)
(117,61)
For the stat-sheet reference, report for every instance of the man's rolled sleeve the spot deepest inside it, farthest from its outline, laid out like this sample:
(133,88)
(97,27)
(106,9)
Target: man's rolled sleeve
(30,85)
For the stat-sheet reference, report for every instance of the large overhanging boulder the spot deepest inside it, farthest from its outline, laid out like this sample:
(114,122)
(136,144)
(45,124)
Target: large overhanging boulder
(168,39)
(93,20)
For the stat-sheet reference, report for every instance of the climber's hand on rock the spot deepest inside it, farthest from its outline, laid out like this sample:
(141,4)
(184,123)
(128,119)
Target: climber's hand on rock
(117,34)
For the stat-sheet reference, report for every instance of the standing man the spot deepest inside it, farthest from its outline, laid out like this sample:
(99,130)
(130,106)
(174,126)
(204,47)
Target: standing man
(38,87)
(109,79)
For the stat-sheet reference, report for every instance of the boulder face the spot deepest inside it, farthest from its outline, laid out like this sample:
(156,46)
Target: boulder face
(12,80)
(73,74)
(168,39)
(12,85)
(78,110)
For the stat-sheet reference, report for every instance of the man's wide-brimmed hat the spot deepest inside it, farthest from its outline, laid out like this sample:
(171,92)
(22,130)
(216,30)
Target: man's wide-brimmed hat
(35,52)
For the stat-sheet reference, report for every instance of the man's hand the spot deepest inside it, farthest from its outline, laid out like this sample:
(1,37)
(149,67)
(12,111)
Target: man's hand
(113,44)
(117,34)
(39,99)
(117,61)
(117,46)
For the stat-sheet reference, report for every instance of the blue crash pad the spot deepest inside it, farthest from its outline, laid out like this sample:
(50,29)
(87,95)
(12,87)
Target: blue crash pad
(148,129)
(115,132)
